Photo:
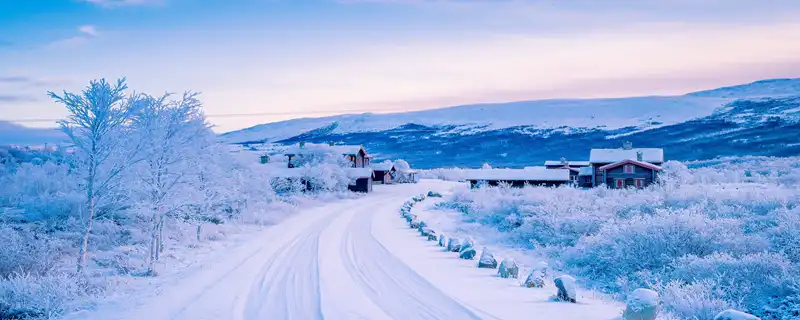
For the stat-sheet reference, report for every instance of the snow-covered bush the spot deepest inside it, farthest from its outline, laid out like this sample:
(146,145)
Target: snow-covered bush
(26,296)
(26,252)
(712,235)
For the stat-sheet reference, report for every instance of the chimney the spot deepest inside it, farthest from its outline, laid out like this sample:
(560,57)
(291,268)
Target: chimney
(639,156)
(564,161)
(627,145)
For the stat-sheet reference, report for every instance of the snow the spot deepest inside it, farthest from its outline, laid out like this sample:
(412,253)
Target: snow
(355,173)
(570,163)
(629,161)
(546,114)
(640,299)
(383,166)
(324,148)
(731,314)
(758,89)
(282,172)
(586,171)
(652,155)
(534,174)
(349,259)
(565,115)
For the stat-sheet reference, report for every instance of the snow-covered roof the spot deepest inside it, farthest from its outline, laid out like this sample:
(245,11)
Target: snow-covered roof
(355,173)
(586,171)
(652,155)
(317,148)
(629,161)
(532,174)
(571,163)
(383,166)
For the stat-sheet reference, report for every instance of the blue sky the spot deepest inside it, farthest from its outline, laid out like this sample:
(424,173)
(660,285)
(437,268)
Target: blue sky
(297,58)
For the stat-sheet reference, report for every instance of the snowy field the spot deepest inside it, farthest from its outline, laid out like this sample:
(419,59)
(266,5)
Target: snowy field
(723,234)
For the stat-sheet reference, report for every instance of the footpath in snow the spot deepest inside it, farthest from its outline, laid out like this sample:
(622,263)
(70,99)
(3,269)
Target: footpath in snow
(351,259)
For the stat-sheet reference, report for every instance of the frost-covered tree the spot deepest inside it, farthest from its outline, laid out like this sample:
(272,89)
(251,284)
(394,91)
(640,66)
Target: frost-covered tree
(174,136)
(96,125)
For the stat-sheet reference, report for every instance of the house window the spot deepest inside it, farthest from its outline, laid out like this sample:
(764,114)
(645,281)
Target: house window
(629,168)
(620,183)
(639,183)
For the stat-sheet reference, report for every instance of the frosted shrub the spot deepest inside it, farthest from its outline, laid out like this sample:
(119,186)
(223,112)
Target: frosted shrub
(651,243)
(699,300)
(22,251)
(753,279)
(25,296)
(710,235)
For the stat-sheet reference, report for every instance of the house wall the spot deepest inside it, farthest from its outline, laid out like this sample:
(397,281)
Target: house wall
(585,181)
(598,175)
(362,185)
(619,173)
(381,177)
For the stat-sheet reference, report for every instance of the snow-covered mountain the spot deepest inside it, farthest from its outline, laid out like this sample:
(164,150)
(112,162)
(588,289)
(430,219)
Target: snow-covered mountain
(760,118)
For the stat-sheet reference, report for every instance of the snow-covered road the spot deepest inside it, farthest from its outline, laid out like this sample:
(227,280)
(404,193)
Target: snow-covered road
(352,259)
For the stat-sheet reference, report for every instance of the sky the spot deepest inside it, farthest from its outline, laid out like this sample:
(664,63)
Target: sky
(258,61)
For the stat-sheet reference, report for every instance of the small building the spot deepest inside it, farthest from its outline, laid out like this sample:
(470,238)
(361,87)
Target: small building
(585,175)
(361,179)
(383,172)
(626,167)
(532,176)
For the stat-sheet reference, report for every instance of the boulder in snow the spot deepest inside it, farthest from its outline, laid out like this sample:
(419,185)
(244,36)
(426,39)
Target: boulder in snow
(414,224)
(434,194)
(537,275)
(468,243)
(428,232)
(566,288)
(508,269)
(642,304)
(453,245)
(421,226)
(731,314)
(467,254)
(442,240)
(487,260)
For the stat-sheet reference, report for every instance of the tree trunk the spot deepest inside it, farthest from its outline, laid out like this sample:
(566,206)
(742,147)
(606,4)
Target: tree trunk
(161,235)
(85,244)
(199,230)
(151,257)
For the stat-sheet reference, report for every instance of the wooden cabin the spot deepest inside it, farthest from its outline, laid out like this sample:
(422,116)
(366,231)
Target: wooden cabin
(356,155)
(532,176)
(626,167)
(362,179)
(383,172)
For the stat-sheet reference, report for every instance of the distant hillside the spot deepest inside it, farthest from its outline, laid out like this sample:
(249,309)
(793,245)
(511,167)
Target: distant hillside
(760,118)
(11,133)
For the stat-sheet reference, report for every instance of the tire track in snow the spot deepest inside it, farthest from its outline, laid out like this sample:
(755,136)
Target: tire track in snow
(393,286)
(288,285)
